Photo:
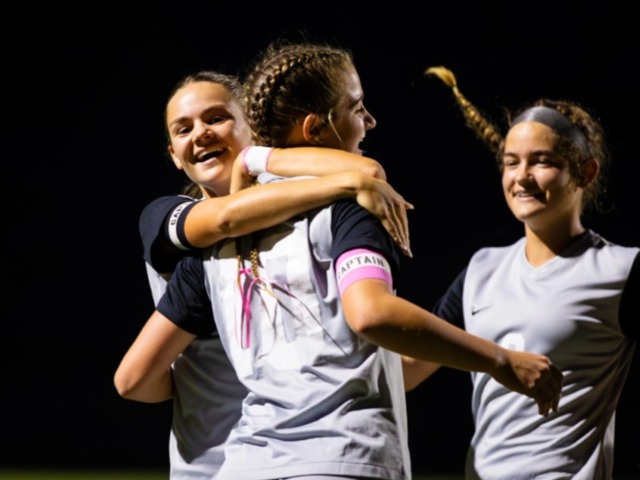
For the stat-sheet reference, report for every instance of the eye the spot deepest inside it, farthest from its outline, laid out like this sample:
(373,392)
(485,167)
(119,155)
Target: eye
(180,130)
(509,162)
(549,160)
(217,119)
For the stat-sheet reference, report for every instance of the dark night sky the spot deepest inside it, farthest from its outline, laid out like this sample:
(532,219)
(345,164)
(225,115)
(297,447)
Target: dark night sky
(86,85)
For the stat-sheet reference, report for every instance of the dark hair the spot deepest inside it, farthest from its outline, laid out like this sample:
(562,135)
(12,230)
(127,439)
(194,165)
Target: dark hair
(231,82)
(576,114)
(289,81)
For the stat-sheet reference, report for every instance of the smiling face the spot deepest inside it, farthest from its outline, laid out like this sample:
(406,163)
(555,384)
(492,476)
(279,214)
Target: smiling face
(207,130)
(352,119)
(536,180)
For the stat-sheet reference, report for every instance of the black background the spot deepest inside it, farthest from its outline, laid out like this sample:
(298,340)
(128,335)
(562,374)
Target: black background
(85,86)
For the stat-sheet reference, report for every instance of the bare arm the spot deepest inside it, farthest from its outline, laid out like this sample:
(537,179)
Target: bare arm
(342,175)
(375,313)
(415,371)
(144,374)
(321,161)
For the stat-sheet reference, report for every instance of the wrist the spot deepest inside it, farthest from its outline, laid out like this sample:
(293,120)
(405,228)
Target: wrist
(255,159)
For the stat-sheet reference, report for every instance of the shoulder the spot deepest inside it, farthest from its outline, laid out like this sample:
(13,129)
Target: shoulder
(161,231)
(490,255)
(613,255)
(159,207)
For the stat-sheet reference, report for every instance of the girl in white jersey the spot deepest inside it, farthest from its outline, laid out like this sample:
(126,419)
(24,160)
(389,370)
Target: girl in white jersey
(562,290)
(205,118)
(305,309)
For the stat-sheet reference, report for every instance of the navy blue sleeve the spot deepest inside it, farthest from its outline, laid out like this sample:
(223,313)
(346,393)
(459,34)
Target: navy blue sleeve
(449,306)
(629,303)
(156,218)
(186,302)
(354,227)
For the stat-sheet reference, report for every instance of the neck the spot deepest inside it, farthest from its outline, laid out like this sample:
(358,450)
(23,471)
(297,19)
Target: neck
(544,244)
(211,193)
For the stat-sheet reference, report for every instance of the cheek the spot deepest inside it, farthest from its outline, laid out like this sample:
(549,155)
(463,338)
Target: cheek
(179,147)
(507,179)
(353,132)
(553,181)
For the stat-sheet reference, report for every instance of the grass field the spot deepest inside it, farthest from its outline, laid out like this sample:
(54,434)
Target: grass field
(90,475)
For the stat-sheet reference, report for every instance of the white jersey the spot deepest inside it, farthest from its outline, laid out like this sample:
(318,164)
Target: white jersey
(322,400)
(567,309)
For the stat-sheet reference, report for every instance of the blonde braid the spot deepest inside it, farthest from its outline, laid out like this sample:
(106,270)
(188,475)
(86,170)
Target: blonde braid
(484,129)
(255,263)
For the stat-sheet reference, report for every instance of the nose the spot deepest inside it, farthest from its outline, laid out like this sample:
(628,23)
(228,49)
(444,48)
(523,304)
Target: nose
(369,121)
(202,132)
(523,173)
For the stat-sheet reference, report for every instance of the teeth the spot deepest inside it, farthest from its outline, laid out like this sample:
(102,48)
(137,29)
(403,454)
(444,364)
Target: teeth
(208,155)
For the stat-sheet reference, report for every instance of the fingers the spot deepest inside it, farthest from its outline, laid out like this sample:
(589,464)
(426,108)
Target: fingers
(549,390)
(543,408)
(391,208)
(401,223)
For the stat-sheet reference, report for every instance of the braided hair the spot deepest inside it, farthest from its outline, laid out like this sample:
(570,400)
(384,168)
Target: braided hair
(290,81)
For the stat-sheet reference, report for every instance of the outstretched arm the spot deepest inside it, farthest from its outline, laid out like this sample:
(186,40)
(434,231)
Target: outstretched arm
(374,312)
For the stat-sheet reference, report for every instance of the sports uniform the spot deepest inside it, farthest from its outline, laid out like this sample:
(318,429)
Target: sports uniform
(581,310)
(322,400)
(208,395)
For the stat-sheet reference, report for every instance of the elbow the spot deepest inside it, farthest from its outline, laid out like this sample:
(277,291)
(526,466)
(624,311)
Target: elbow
(366,321)
(125,386)
(375,170)
(141,388)
(130,387)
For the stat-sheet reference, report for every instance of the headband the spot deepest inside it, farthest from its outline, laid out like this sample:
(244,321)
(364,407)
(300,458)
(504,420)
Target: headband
(555,120)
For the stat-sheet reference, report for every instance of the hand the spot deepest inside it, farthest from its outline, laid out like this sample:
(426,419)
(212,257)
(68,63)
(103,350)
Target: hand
(381,200)
(534,376)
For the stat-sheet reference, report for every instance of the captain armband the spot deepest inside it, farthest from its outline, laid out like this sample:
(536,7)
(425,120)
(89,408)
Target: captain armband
(175,225)
(255,159)
(359,264)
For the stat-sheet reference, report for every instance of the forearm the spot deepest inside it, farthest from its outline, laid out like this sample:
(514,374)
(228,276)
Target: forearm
(397,325)
(263,206)
(403,327)
(148,390)
(321,161)
(415,371)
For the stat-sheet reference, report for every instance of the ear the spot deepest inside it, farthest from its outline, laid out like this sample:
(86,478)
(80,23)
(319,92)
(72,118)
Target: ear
(589,172)
(176,160)
(312,126)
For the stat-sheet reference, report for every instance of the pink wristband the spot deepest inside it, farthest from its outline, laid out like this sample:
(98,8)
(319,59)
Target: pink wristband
(359,264)
(255,159)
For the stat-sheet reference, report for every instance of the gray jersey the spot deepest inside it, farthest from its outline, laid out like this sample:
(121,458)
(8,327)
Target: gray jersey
(322,400)
(567,309)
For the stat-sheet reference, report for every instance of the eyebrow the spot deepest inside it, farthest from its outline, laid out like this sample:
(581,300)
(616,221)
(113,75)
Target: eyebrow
(212,108)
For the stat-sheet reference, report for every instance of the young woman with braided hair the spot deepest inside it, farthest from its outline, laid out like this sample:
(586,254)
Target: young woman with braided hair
(206,130)
(562,290)
(306,310)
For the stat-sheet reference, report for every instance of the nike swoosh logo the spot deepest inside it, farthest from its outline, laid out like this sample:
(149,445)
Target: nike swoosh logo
(478,309)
